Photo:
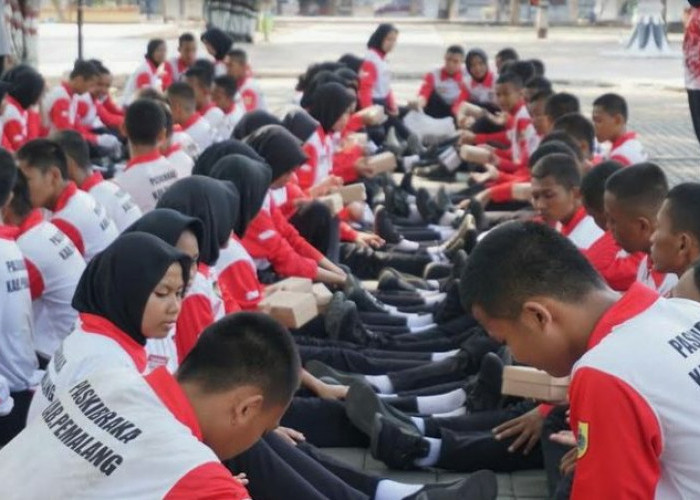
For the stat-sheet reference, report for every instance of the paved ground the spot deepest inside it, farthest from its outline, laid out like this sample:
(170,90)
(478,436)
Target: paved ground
(579,60)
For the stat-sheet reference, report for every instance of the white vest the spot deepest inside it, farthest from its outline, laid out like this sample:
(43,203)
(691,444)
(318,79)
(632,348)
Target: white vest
(629,151)
(146,180)
(182,162)
(382,85)
(230,121)
(585,233)
(201,132)
(120,206)
(448,89)
(154,81)
(214,115)
(53,96)
(522,134)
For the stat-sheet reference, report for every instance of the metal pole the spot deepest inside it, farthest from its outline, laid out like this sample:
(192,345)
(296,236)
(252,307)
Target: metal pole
(80,29)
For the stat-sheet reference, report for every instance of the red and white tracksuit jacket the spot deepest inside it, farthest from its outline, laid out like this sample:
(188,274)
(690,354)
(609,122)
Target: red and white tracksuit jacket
(109,113)
(65,110)
(146,178)
(483,92)
(146,75)
(238,278)
(54,266)
(231,118)
(452,89)
(199,130)
(215,116)
(634,400)
(617,267)
(581,230)
(375,81)
(182,162)
(272,241)
(319,149)
(84,221)
(663,283)
(18,363)
(201,306)
(628,150)
(249,95)
(117,434)
(16,130)
(121,208)
(175,68)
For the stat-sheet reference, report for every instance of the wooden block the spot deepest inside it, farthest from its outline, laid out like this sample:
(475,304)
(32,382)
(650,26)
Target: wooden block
(353,192)
(475,154)
(535,384)
(374,114)
(292,309)
(383,162)
(359,138)
(333,201)
(322,295)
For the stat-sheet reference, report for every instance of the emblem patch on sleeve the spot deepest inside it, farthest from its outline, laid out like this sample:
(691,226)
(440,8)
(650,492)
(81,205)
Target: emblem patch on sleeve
(582,439)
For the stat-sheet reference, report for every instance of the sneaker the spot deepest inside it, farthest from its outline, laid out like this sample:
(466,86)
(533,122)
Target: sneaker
(435,172)
(391,279)
(362,403)
(341,321)
(428,209)
(480,220)
(396,446)
(365,301)
(407,184)
(396,202)
(484,393)
(384,227)
(321,370)
(481,485)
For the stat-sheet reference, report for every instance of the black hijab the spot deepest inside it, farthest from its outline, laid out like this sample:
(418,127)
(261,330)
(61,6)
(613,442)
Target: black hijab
(331,100)
(213,202)
(24,84)
(213,153)
(300,123)
(476,53)
(280,149)
(377,39)
(220,42)
(117,283)
(252,121)
(152,46)
(321,78)
(351,61)
(349,77)
(168,225)
(252,179)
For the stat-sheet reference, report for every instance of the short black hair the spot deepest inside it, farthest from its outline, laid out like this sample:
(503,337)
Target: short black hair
(246,348)
(21,203)
(538,82)
(168,118)
(455,49)
(201,75)
(641,187)
(227,84)
(151,94)
(238,55)
(144,120)
(83,68)
(593,183)
(561,167)
(8,175)
(507,54)
(684,208)
(182,93)
(101,68)
(43,154)
(538,65)
(560,104)
(560,136)
(577,126)
(549,148)
(511,78)
(524,69)
(74,146)
(612,104)
(185,38)
(542,95)
(519,260)
(696,274)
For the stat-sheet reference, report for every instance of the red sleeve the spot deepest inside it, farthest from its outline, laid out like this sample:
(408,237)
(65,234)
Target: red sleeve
(240,288)
(427,87)
(619,439)
(497,137)
(167,78)
(211,481)
(502,192)
(250,99)
(36,281)
(71,231)
(195,316)
(347,233)
(297,241)
(344,164)
(368,75)
(59,114)
(143,80)
(14,137)
(512,167)
(355,123)
(110,119)
(294,193)
(34,126)
(264,241)
(112,107)
(306,174)
(391,101)
(617,267)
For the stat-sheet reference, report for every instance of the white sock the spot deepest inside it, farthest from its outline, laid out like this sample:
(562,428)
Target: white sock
(381,382)
(434,299)
(419,423)
(434,283)
(419,320)
(433,454)
(454,413)
(407,246)
(441,403)
(391,490)
(409,161)
(421,329)
(439,356)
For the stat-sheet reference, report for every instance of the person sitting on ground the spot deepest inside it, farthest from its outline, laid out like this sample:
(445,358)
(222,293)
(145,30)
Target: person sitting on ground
(183,106)
(150,73)
(610,118)
(177,66)
(250,95)
(444,88)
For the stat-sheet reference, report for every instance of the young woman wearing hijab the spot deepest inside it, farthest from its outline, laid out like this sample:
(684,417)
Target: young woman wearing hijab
(215,204)
(270,236)
(206,161)
(252,121)
(150,73)
(130,292)
(481,83)
(217,44)
(24,86)
(185,234)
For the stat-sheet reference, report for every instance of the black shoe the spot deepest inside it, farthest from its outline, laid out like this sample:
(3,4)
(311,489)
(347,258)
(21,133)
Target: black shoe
(365,301)
(443,200)
(477,210)
(407,184)
(459,262)
(427,207)
(436,172)
(396,446)
(384,227)
(414,145)
(362,403)
(321,370)
(341,321)
(395,202)
(484,393)
(390,279)
(481,485)
(436,271)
